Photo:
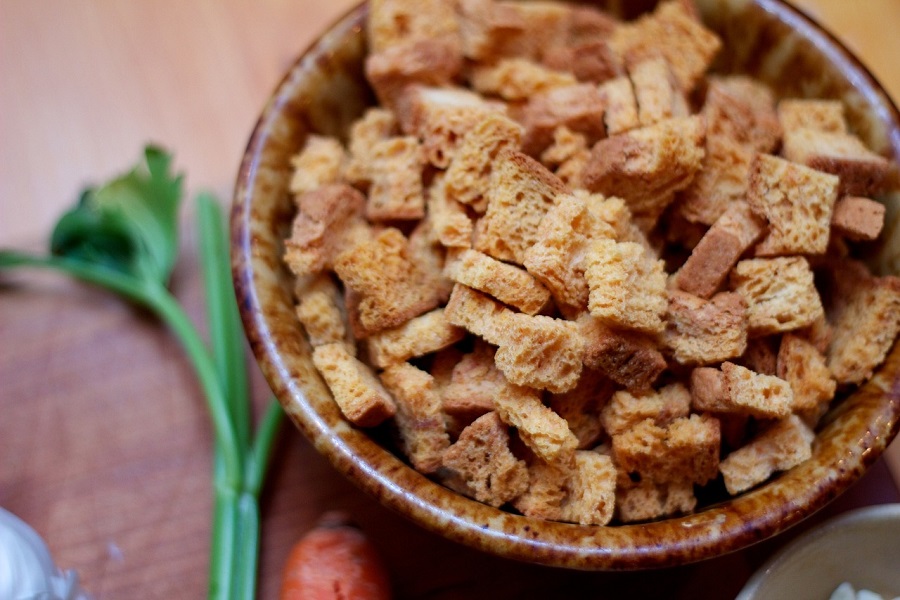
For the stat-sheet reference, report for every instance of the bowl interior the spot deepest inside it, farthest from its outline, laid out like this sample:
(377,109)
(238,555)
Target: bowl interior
(325,90)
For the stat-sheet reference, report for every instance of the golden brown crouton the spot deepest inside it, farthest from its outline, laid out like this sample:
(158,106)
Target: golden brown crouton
(395,173)
(321,313)
(321,161)
(591,60)
(591,488)
(429,255)
(646,500)
(702,332)
(428,61)
(540,352)
(647,166)
(737,389)
(419,336)
(783,445)
(718,251)
(672,33)
(861,171)
(780,293)
(356,389)
(629,358)
(507,283)
(419,419)
(520,193)
(390,287)
(797,203)
(374,125)
(330,219)
(567,155)
(656,91)
(804,368)
(857,218)
(742,109)
(481,456)
(489,29)
(627,287)
(517,79)
(543,431)
(449,218)
(812,113)
(620,109)
(685,450)
(468,175)
(581,406)
(476,312)
(546,491)
(394,22)
(625,410)
(578,106)
(474,383)
(721,181)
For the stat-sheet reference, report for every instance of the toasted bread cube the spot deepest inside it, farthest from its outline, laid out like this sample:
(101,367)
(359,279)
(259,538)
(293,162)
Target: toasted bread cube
(861,171)
(507,283)
(427,61)
(546,491)
(591,497)
(627,287)
(540,352)
(394,22)
(468,175)
(742,109)
(356,390)
(391,288)
(656,91)
(797,203)
(417,337)
(737,389)
(581,406)
(629,358)
(427,252)
(812,113)
(449,218)
(489,29)
(785,444)
(592,60)
(330,219)
(578,106)
(647,500)
(685,450)
(474,383)
(482,458)
(520,193)
(718,251)
(376,124)
(673,33)
(321,161)
(557,257)
(647,166)
(625,410)
(396,190)
(544,25)
(543,431)
(476,312)
(620,109)
(702,332)
(804,368)
(567,155)
(761,355)
(516,79)
(419,418)
(721,181)
(858,219)
(780,293)
(321,313)
(866,323)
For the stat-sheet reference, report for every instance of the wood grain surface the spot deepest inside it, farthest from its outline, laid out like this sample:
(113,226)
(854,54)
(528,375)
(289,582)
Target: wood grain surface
(105,445)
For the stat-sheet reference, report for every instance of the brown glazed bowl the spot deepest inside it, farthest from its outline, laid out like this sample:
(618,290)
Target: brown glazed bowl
(325,90)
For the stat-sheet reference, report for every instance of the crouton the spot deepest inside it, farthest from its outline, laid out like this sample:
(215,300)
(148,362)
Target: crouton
(589,61)
(804,368)
(780,293)
(540,352)
(620,109)
(737,389)
(429,255)
(516,79)
(627,287)
(629,358)
(417,337)
(489,29)
(390,288)
(742,109)
(566,156)
(858,219)
(321,313)
(507,283)
(685,450)
(482,458)
(468,175)
(797,203)
(395,172)
(355,388)
(581,406)
(861,171)
(578,106)
(477,313)
(449,218)
(721,181)
(591,488)
(656,91)
(394,22)
(647,166)
(321,161)
(761,354)
(702,332)
(329,220)
(374,125)
(419,419)
(428,61)
(543,431)
(783,445)
(520,193)
(647,500)
(625,410)
(474,383)
(718,251)
(812,113)
(546,491)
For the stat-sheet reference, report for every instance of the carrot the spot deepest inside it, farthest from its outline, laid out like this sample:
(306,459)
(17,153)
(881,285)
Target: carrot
(334,561)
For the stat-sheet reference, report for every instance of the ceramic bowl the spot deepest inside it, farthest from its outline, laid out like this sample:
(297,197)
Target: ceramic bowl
(325,90)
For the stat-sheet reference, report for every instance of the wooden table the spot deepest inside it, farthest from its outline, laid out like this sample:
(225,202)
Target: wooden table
(104,440)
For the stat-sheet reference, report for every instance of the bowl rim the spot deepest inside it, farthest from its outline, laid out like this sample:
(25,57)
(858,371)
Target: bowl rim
(715,531)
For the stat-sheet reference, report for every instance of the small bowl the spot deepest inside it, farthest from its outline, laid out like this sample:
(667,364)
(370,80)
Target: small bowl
(326,90)
(861,547)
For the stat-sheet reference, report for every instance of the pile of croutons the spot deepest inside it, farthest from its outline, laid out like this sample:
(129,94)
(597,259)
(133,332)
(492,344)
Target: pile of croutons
(579,275)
